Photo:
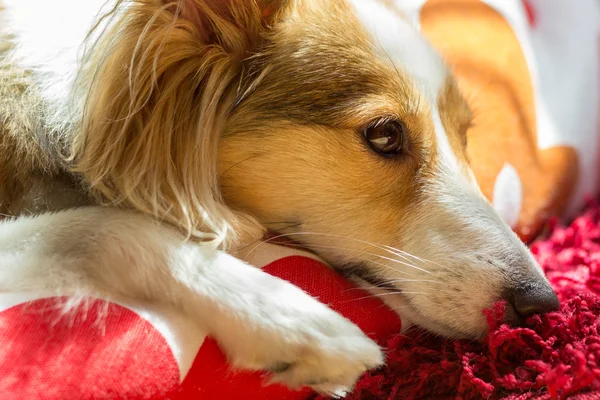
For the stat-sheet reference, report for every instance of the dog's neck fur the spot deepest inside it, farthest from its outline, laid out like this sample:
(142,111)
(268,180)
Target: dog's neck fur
(33,172)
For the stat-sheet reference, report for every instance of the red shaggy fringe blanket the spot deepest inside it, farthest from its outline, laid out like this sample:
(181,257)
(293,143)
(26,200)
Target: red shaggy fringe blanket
(555,356)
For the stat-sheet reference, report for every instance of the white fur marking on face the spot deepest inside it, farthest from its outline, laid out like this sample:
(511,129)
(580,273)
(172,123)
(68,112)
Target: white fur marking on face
(447,158)
(403,45)
(399,42)
(508,195)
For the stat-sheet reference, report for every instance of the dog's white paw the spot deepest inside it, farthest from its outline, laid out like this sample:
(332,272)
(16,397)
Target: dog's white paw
(330,359)
(301,341)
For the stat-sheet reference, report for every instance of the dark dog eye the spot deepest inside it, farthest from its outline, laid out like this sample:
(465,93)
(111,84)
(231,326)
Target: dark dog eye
(386,137)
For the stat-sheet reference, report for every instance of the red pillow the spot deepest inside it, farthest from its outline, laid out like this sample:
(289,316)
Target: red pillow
(102,349)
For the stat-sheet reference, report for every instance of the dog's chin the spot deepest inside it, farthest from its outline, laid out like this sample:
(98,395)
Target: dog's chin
(412,316)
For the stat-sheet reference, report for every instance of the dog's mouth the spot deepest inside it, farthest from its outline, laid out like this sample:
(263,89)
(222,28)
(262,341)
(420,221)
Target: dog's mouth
(363,272)
(400,302)
(416,317)
(389,293)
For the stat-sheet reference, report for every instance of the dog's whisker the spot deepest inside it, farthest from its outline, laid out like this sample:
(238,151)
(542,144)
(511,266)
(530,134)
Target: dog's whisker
(237,164)
(374,255)
(405,263)
(384,284)
(413,281)
(374,295)
(395,293)
(377,295)
(404,253)
(423,293)
(393,250)
(388,267)
(284,224)
(404,292)
(379,246)
(423,334)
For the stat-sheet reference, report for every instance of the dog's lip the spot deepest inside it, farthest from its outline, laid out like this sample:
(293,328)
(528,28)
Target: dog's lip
(416,316)
(360,270)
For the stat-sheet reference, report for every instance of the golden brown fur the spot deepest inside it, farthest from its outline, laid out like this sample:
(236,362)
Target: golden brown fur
(159,98)
(120,149)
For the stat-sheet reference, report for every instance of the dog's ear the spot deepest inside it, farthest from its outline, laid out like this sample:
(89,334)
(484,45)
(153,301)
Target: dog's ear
(157,87)
(236,25)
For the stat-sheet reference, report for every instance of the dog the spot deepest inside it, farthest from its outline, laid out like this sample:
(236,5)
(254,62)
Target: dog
(144,142)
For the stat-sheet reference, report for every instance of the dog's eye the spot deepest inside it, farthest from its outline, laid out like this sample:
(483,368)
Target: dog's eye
(386,137)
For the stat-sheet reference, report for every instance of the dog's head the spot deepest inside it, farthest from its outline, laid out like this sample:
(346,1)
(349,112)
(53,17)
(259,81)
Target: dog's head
(334,121)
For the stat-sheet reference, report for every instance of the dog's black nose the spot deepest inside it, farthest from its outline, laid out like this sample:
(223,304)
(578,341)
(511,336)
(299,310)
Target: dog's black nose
(534,299)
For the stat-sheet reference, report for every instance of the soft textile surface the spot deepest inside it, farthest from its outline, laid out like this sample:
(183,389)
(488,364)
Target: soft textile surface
(126,349)
(556,356)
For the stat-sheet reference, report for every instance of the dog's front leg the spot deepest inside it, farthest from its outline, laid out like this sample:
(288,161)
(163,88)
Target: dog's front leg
(260,321)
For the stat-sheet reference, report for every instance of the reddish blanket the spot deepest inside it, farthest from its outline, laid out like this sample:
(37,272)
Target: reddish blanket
(556,356)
